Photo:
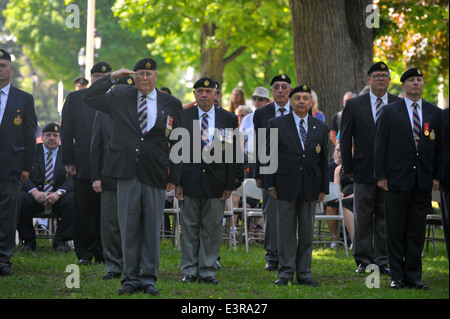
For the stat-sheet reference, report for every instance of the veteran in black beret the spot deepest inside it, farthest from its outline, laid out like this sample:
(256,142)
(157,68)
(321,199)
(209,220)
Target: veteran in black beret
(48,189)
(80,83)
(409,165)
(17,148)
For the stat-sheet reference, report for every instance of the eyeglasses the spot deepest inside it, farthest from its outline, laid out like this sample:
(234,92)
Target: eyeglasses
(282,86)
(380,76)
(145,74)
(258,98)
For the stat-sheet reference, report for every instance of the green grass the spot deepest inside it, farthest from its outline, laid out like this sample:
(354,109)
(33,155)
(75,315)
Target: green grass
(41,275)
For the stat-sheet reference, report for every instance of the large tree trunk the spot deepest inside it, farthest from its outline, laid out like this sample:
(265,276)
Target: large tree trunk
(333,48)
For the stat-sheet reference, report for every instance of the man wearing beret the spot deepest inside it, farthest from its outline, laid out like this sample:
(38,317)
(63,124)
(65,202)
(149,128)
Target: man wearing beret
(138,157)
(357,139)
(300,181)
(204,184)
(409,157)
(280,86)
(80,83)
(48,186)
(76,133)
(17,147)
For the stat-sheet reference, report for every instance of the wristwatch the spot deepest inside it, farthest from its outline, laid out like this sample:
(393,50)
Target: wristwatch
(59,192)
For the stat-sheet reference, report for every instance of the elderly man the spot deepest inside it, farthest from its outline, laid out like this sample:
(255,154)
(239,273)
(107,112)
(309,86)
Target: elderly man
(138,157)
(17,149)
(300,181)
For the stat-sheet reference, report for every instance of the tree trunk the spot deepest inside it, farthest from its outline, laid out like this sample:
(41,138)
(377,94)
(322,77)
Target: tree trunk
(333,48)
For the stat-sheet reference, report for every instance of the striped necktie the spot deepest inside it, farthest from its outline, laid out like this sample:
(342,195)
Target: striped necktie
(378,108)
(302,131)
(142,114)
(282,110)
(204,130)
(48,182)
(416,125)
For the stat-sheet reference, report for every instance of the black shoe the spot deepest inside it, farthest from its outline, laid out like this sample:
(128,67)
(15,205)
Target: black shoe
(384,269)
(84,262)
(307,281)
(397,284)
(111,275)
(281,281)
(416,285)
(361,269)
(189,278)
(61,246)
(127,290)
(271,266)
(29,245)
(150,289)
(6,271)
(208,280)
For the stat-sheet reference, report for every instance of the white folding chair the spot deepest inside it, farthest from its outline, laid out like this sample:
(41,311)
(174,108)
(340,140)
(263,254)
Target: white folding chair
(250,190)
(174,232)
(334,194)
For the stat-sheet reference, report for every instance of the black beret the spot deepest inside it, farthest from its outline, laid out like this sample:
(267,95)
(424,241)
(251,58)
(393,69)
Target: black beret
(80,80)
(101,67)
(410,73)
(205,83)
(51,127)
(218,86)
(379,66)
(145,64)
(128,80)
(5,55)
(280,78)
(300,88)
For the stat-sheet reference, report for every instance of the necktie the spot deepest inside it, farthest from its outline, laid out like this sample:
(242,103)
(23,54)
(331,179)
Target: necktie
(378,107)
(302,131)
(416,124)
(204,130)
(142,114)
(48,183)
(282,110)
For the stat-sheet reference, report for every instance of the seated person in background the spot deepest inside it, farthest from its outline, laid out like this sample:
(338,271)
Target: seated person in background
(48,189)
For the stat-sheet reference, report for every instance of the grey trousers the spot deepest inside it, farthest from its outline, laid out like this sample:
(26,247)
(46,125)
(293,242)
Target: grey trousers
(269,211)
(9,210)
(369,245)
(201,226)
(110,232)
(295,237)
(140,211)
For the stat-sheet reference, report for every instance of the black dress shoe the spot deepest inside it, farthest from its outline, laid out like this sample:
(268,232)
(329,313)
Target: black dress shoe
(29,245)
(384,269)
(308,281)
(397,284)
(6,271)
(417,285)
(111,275)
(127,290)
(189,278)
(151,290)
(281,281)
(61,246)
(271,266)
(208,280)
(84,262)
(361,269)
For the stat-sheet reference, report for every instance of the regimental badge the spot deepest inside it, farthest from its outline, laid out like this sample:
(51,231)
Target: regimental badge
(283,76)
(206,83)
(432,135)
(169,123)
(318,148)
(17,120)
(148,65)
(305,87)
(103,68)
(130,81)
(382,66)
(426,129)
(1,53)
(419,72)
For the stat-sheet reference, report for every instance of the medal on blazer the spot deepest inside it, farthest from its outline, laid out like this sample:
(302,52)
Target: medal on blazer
(169,122)
(17,119)
(432,135)
(426,129)
(318,148)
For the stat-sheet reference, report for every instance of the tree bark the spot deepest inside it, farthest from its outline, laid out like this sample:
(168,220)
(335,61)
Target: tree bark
(333,48)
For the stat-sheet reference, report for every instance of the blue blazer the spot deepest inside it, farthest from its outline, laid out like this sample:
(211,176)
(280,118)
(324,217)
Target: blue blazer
(396,156)
(299,170)
(17,135)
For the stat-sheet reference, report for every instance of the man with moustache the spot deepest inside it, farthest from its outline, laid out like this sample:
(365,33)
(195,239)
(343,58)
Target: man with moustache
(301,181)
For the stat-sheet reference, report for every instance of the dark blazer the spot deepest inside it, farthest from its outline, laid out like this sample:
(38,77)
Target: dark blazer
(76,131)
(358,127)
(446,150)
(17,135)
(198,178)
(101,135)
(37,175)
(299,170)
(396,157)
(131,153)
